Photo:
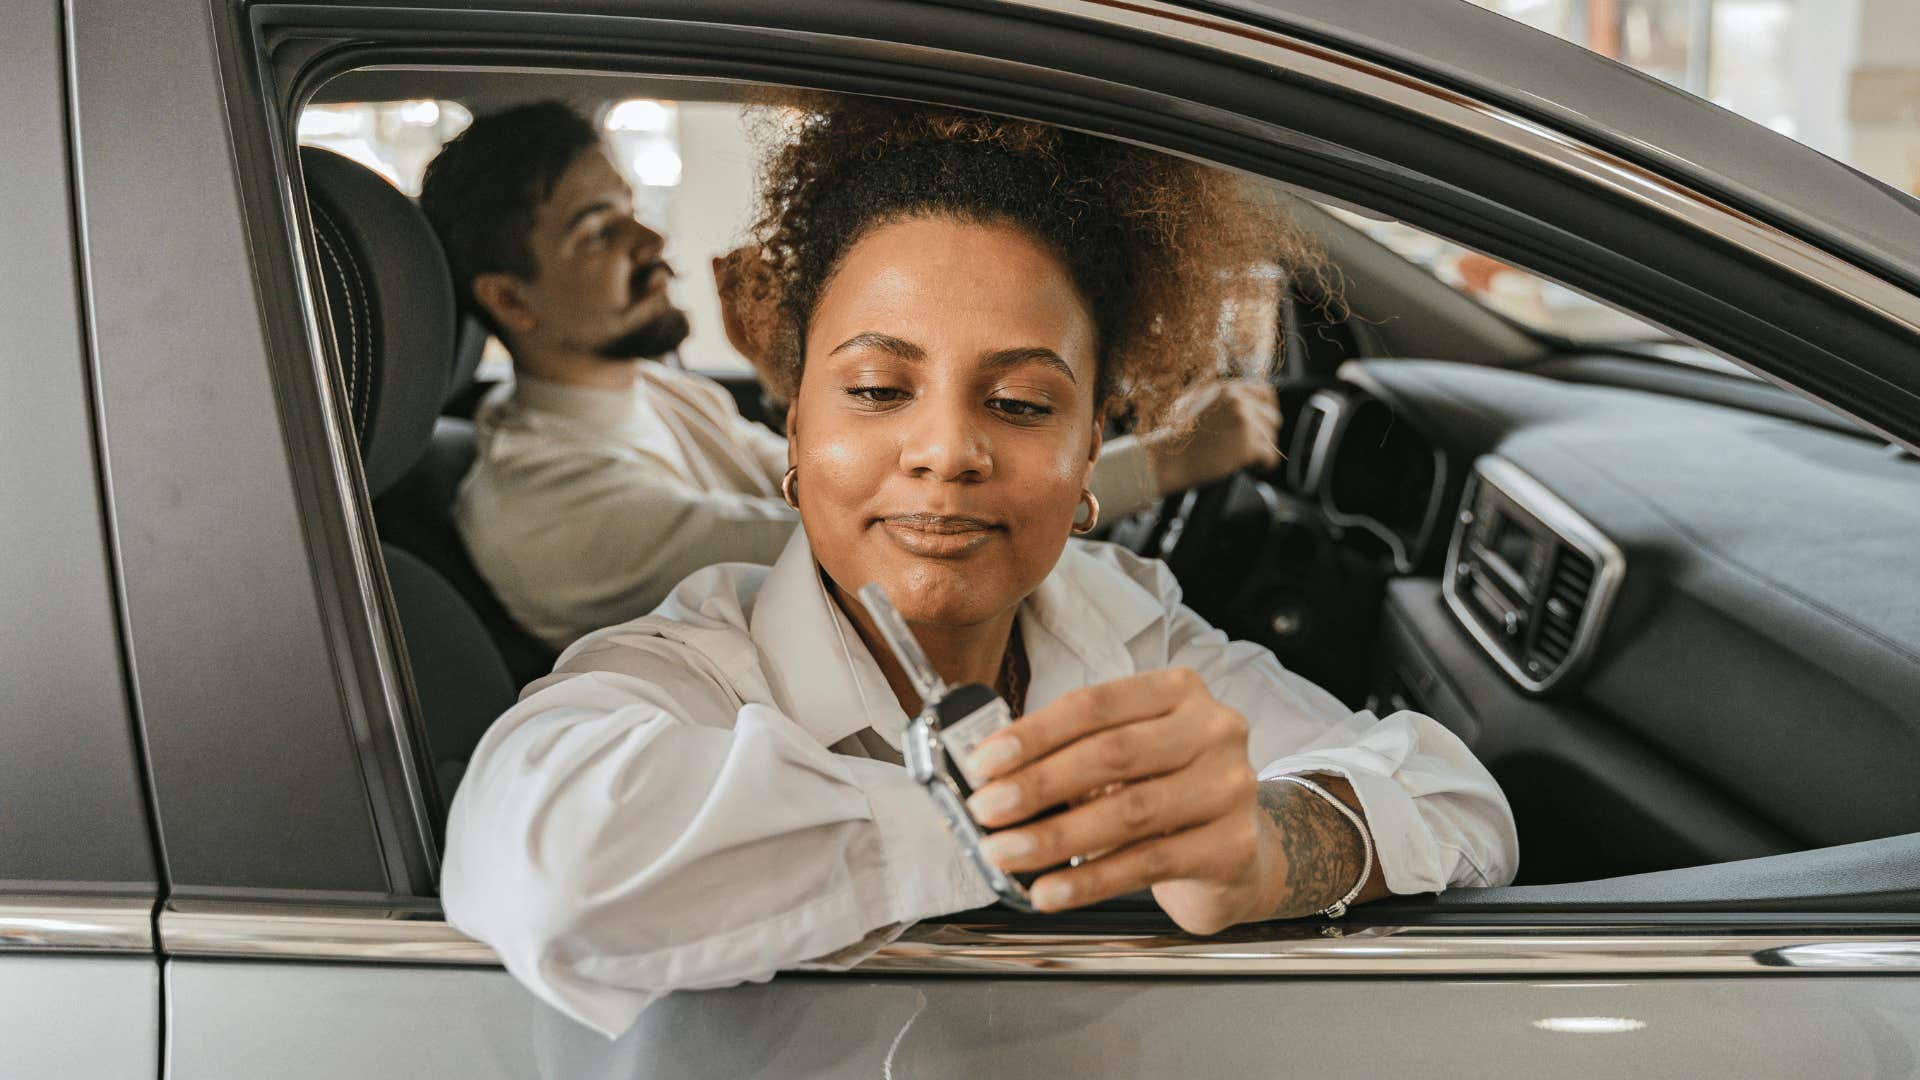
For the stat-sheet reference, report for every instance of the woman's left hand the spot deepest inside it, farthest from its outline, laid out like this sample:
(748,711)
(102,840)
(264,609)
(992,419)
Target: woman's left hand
(1173,801)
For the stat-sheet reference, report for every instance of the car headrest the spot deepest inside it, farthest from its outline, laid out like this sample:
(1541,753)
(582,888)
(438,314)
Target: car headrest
(390,302)
(469,344)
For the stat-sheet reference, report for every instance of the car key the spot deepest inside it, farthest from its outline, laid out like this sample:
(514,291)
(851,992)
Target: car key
(940,741)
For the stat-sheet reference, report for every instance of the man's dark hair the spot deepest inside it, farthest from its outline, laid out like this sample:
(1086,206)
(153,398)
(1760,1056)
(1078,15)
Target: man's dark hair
(481,191)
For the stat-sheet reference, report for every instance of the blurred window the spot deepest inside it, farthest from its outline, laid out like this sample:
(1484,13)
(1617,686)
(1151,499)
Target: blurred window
(393,138)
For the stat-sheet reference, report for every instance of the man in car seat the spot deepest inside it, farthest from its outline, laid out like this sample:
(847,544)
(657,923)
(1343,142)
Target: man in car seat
(604,477)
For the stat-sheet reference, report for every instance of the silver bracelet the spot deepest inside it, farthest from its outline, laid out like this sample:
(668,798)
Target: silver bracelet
(1339,907)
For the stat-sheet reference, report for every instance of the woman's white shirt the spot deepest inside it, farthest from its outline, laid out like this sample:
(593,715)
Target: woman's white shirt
(711,793)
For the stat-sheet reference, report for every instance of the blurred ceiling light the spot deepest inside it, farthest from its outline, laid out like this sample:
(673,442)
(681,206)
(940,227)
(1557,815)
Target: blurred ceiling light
(323,121)
(639,114)
(657,165)
(1589,1025)
(420,113)
(455,117)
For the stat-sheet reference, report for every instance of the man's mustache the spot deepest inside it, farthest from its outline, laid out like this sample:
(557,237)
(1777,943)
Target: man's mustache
(642,274)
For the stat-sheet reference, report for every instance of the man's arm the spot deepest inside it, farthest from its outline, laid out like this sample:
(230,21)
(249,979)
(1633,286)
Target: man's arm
(577,543)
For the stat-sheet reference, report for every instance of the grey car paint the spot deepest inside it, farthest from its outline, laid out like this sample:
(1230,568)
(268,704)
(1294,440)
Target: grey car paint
(71,809)
(79,1016)
(480,1024)
(274,782)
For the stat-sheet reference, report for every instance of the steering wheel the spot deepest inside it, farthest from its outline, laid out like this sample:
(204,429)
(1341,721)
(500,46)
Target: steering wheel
(1206,530)
(1186,526)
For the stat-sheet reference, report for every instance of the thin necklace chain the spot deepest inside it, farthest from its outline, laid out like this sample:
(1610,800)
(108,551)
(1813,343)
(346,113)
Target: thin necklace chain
(1013,686)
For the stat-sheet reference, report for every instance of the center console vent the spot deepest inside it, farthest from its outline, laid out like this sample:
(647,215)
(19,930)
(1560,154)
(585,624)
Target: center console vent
(1312,439)
(1568,592)
(1527,576)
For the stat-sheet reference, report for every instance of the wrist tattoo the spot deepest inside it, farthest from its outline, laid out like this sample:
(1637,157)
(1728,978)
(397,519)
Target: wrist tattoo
(1323,853)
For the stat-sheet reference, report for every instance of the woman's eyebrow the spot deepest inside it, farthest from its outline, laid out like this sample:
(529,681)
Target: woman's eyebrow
(873,339)
(1006,358)
(1000,358)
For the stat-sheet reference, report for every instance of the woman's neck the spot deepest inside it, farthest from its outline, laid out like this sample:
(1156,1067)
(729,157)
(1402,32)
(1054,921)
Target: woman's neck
(960,654)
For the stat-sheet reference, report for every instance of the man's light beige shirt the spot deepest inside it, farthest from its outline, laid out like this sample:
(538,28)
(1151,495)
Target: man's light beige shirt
(585,507)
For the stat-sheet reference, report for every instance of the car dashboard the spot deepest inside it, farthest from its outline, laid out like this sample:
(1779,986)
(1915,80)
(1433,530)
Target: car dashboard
(1678,632)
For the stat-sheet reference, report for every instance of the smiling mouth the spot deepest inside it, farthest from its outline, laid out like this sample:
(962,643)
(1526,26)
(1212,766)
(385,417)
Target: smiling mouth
(940,535)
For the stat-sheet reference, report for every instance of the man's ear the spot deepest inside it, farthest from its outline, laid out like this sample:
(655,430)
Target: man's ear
(501,296)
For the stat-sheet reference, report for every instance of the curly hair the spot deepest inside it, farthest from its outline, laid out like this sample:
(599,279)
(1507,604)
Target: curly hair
(1166,252)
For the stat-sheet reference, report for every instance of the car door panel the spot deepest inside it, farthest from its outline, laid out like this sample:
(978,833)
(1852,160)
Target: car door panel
(235,651)
(70,817)
(485,1025)
(79,1016)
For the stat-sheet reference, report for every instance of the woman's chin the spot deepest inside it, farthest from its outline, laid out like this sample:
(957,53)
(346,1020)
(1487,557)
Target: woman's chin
(946,593)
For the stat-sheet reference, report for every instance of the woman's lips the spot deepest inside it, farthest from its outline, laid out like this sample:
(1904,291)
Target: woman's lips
(939,536)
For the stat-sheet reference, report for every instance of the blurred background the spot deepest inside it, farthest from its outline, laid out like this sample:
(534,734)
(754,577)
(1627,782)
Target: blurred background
(1842,76)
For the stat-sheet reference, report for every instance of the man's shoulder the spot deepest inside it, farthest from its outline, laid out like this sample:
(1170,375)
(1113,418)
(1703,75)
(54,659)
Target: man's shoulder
(709,611)
(694,389)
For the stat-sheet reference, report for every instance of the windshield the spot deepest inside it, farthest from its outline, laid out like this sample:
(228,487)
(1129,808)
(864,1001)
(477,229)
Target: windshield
(1528,299)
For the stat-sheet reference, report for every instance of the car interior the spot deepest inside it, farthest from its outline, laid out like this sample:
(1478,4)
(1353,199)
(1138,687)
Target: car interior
(1675,608)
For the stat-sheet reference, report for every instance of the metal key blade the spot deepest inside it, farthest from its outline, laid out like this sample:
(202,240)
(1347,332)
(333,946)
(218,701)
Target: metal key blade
(899,637)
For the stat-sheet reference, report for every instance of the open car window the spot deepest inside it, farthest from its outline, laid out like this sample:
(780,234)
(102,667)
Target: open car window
(1342,563)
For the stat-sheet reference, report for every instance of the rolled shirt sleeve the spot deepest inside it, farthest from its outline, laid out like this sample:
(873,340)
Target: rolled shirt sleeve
(612,850)
(1122,479)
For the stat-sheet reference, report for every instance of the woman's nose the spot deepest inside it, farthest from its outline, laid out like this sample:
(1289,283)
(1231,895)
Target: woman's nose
(945,442)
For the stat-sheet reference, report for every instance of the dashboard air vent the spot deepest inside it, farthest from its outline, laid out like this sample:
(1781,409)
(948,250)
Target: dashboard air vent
(1527,577)
(1568,592)
(1305,462)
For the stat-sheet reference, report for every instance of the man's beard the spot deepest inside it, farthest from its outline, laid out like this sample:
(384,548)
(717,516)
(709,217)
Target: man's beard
(654,338)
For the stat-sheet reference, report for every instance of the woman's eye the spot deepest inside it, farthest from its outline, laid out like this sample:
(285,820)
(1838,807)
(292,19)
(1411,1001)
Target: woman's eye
(1024,410)
(877,395)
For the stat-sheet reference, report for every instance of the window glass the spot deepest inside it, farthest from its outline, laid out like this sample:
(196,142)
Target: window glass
(1530,300)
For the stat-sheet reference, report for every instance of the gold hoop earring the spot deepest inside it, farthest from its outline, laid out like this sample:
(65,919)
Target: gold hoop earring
(1093,514)
(789,486)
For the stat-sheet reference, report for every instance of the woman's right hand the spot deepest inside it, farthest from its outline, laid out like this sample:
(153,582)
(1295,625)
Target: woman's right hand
(1169,801)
